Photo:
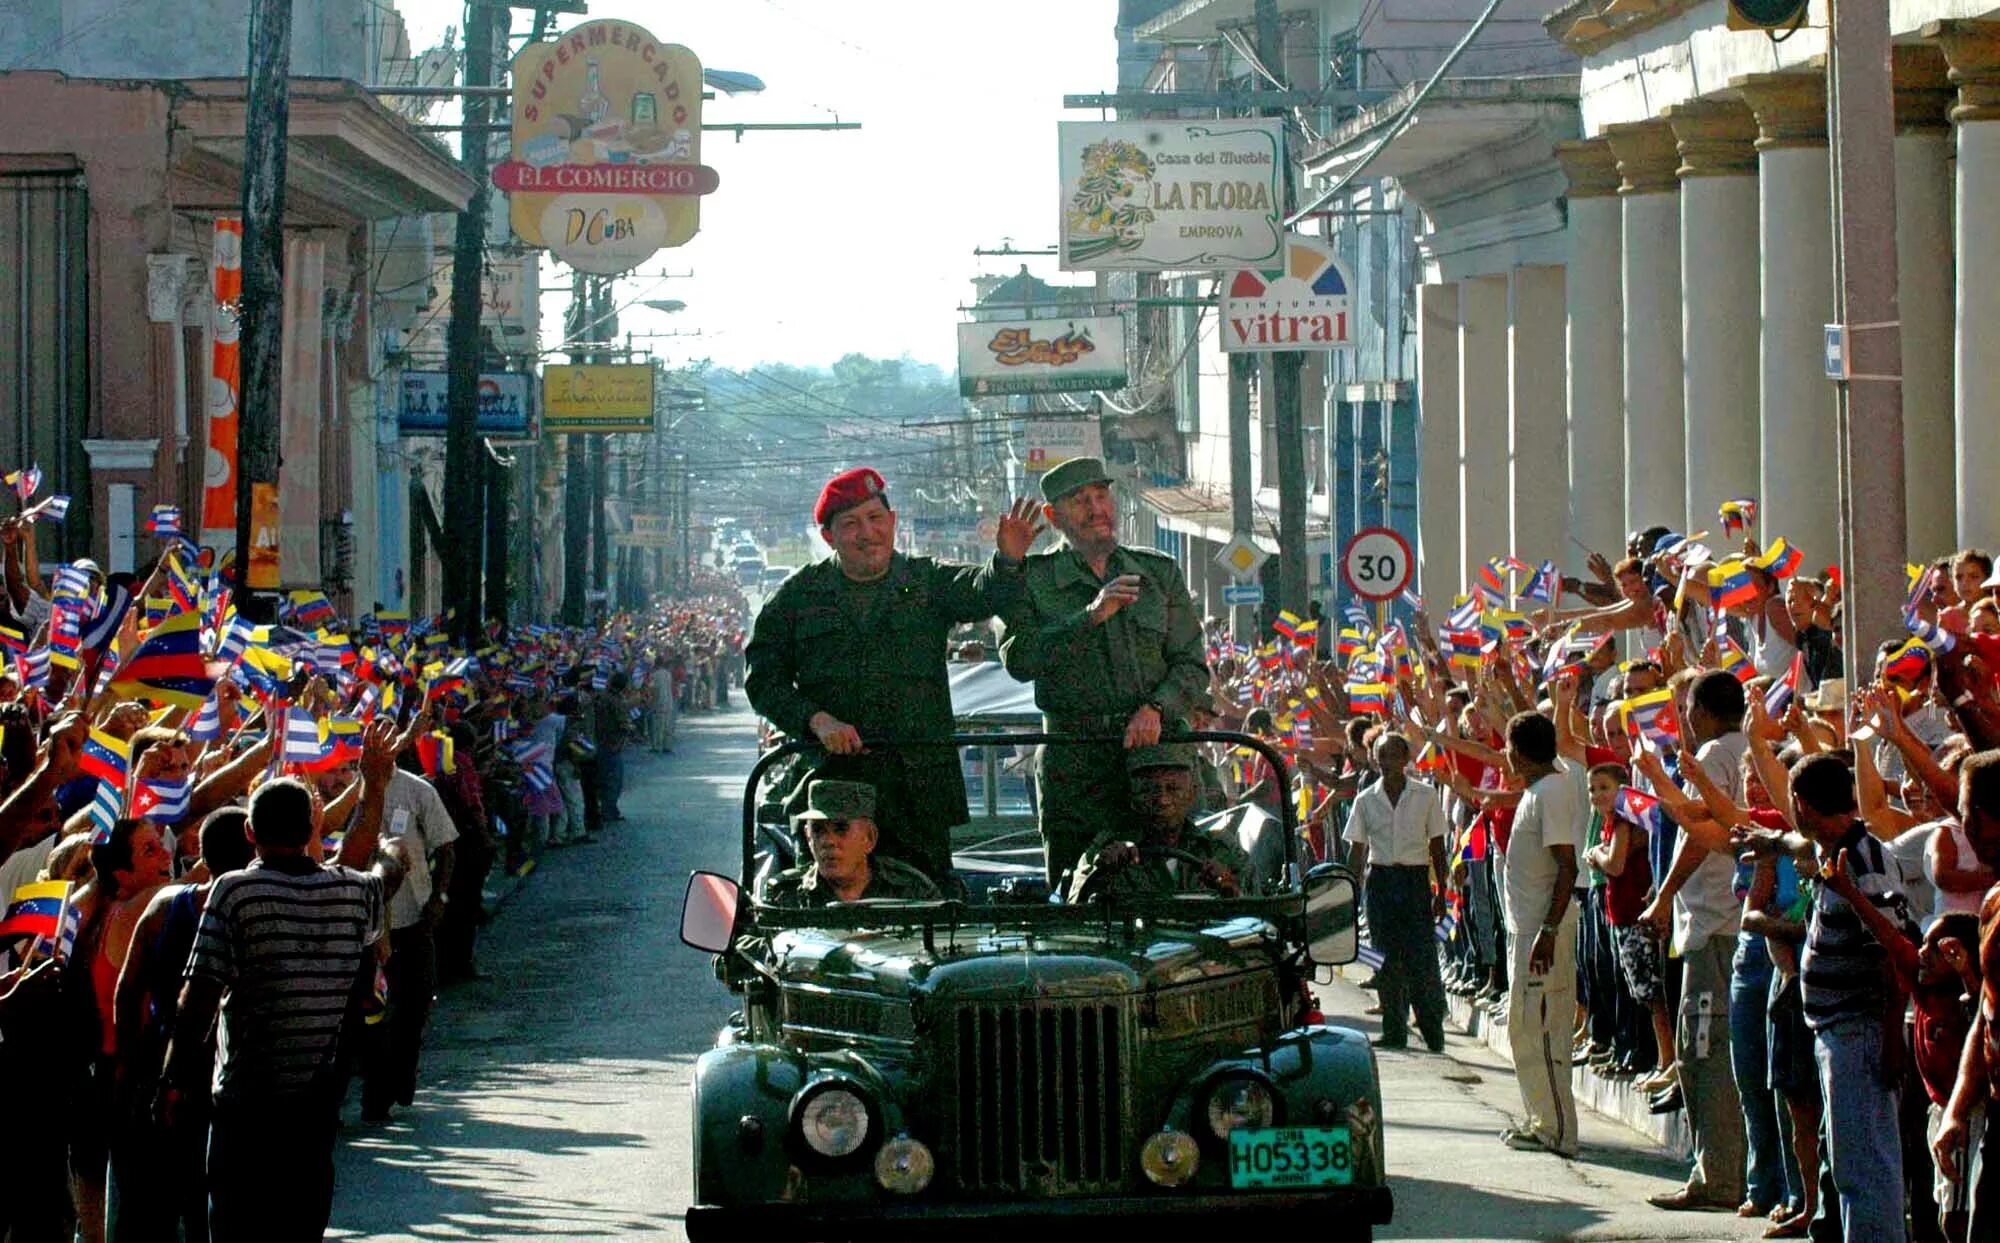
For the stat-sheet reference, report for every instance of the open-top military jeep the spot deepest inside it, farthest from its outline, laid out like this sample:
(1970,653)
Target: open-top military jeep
(908,1066)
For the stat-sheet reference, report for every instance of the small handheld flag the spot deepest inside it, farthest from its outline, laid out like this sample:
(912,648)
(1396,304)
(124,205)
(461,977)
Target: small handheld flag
(1739,515)
(165,522)
(105,757)
(1780,560)
(24,482)
(35,910)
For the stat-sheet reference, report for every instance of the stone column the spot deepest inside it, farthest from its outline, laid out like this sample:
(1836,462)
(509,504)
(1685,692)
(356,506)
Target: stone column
(1483,510)
(1924,279)
(1972,50)
(1718,172)
(1655,439)
(1800,498)
(1537,452)
(1593,288)
(1438,556)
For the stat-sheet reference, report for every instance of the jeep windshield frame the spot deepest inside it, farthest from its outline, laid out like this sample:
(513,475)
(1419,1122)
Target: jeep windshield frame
(1189,909)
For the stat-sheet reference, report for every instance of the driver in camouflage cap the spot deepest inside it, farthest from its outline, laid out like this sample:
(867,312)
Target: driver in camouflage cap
(838,825)
(1170,854)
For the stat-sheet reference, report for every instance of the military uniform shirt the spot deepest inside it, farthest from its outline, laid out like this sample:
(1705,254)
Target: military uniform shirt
(887,878)
(1162,877)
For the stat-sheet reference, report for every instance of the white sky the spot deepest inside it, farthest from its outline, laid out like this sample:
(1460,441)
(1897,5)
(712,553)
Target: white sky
(823,243)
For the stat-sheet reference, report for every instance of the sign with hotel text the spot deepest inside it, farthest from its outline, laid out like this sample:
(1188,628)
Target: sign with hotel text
(1299,303)
(997,357)
(597,397)
(606,166)
(1157,195)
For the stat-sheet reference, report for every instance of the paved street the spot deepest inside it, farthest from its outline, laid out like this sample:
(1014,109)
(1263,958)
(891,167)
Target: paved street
(555,1103)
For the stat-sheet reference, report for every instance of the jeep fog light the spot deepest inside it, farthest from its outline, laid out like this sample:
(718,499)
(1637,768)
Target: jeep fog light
(1170,1158)
(904,1166)
(834,1122)
(1239,1101)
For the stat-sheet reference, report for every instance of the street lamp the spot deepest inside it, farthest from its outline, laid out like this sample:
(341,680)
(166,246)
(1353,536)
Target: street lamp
(732,81)
(666,306)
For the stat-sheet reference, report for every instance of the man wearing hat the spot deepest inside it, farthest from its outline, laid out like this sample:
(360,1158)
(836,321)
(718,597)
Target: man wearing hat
(851,651)
(1162,852)
(1113,644)
(839,825)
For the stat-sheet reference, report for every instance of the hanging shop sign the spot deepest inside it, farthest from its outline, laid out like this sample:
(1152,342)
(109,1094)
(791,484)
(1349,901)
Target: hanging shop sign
(503,404)
(597,397)
(1051,442)
(1300,303)
(606,166)
(997,357)
(1157,195)
(225,279)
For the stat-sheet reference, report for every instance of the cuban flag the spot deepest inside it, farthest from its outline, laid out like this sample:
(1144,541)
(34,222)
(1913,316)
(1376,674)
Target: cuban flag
(537,761)
(25,482)
(207,724)
(1652,718)
(1465,615)
(52,508)
(306,739)
(160,800)
(1638,807)
(1541,586)
(1411,598)
(165,522)
(104,808)
(1778,697)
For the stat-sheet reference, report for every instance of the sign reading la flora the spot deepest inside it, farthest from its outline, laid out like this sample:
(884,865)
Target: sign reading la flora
(1157,195)
(606,166)
(1301,304)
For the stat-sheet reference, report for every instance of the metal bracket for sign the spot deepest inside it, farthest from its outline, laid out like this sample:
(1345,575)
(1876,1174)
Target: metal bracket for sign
(1877,326)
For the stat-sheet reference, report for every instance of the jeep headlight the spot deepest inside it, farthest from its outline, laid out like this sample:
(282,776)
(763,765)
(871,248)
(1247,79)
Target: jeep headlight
(833,1121)
(1239,1101)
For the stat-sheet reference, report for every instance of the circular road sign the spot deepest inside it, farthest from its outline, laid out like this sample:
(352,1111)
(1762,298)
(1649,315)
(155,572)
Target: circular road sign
(1377,563)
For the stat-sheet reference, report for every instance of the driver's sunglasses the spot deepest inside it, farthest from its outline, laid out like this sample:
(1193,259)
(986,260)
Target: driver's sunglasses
(828,828)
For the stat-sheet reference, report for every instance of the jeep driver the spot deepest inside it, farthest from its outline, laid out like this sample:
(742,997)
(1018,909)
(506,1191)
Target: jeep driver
(1171,855)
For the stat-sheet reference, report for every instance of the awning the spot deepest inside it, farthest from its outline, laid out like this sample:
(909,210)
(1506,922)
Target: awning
(1192,509)
(1461,116)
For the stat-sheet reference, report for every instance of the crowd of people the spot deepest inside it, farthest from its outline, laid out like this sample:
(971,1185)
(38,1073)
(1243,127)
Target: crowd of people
(238,861)
(1676,832)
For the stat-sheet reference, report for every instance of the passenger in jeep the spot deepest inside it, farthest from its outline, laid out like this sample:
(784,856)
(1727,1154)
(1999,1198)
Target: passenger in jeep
(1162,852)
(839,825)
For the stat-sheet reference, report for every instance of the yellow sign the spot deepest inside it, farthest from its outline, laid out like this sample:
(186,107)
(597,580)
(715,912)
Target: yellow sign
(597,397)
(263,537)
(606,166)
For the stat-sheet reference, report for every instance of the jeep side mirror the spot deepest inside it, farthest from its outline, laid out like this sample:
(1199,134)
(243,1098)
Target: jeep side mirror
(708,916)
(1333,938)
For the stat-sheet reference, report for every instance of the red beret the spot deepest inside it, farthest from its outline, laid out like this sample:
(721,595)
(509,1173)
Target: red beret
(846,490)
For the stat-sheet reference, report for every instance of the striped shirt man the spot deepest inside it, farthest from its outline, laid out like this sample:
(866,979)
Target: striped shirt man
(1844,970)
(284,938)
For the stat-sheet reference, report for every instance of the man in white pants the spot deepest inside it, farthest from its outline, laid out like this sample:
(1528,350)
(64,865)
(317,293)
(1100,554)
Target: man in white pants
(1541,928)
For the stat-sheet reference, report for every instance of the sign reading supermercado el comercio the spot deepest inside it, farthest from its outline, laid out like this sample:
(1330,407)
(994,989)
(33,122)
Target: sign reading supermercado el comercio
(1159,195)
(606,167)
(597,397)
(998,357)
(1300,303)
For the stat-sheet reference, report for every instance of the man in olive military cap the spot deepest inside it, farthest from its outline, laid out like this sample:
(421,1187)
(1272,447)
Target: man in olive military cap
(1113,644)
(839,825)
(852,650)
(1162,852)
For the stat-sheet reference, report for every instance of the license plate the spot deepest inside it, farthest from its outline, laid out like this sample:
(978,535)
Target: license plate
(1299,1156)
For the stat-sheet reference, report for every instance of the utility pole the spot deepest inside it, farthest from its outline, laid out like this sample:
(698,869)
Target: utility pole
(463,469)
(604,321)
(1873,528)
(261,310)
(1242,489)
(576,478)
(1284,375)
(499,488)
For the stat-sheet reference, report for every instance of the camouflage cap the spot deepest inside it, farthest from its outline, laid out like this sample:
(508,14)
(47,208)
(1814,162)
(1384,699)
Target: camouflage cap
(839,800)
(1159,755)
(1078,472)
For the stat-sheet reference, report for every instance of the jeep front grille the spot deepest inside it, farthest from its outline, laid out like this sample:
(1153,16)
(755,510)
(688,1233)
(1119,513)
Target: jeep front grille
(1040,1102)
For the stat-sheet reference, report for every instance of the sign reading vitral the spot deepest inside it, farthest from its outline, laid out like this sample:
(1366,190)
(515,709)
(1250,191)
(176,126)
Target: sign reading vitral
(1301,304)
(1157,195)
(606,167)
(607,397)
(997,357)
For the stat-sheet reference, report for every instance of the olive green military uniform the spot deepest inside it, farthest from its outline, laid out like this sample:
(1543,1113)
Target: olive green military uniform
(1090,679)
(887,878)
(1154,876)
(873,655)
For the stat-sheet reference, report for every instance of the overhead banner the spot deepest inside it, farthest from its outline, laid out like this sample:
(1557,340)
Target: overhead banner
(503,404)
(606,166)
(1157,195)
(648,531)
(997,357)
(225,283)
(1051,442)
(1298,304)
(597,397)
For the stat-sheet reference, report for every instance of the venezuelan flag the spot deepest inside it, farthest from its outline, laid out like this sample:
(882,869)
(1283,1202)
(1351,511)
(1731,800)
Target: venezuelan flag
(36,910)
(1780,560)
(168,666)
(105,757)
(1731,584)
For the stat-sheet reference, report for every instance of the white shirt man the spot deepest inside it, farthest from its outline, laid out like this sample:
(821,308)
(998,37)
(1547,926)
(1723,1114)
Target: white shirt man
(1398,834)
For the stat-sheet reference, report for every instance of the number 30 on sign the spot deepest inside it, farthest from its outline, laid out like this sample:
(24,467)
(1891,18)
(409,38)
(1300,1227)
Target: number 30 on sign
(1377,563)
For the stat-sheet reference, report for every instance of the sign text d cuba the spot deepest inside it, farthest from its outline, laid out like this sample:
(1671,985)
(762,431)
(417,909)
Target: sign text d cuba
(1301,304)
(606,166)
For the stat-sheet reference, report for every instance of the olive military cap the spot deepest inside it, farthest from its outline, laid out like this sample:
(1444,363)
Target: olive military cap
(1079,472)
(1159,755)
(839,800)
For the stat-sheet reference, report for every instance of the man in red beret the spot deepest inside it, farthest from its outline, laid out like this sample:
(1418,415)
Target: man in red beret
(852,650)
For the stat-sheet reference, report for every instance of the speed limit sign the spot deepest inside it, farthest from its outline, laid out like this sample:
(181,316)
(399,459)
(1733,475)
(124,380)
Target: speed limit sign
(1377,563)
